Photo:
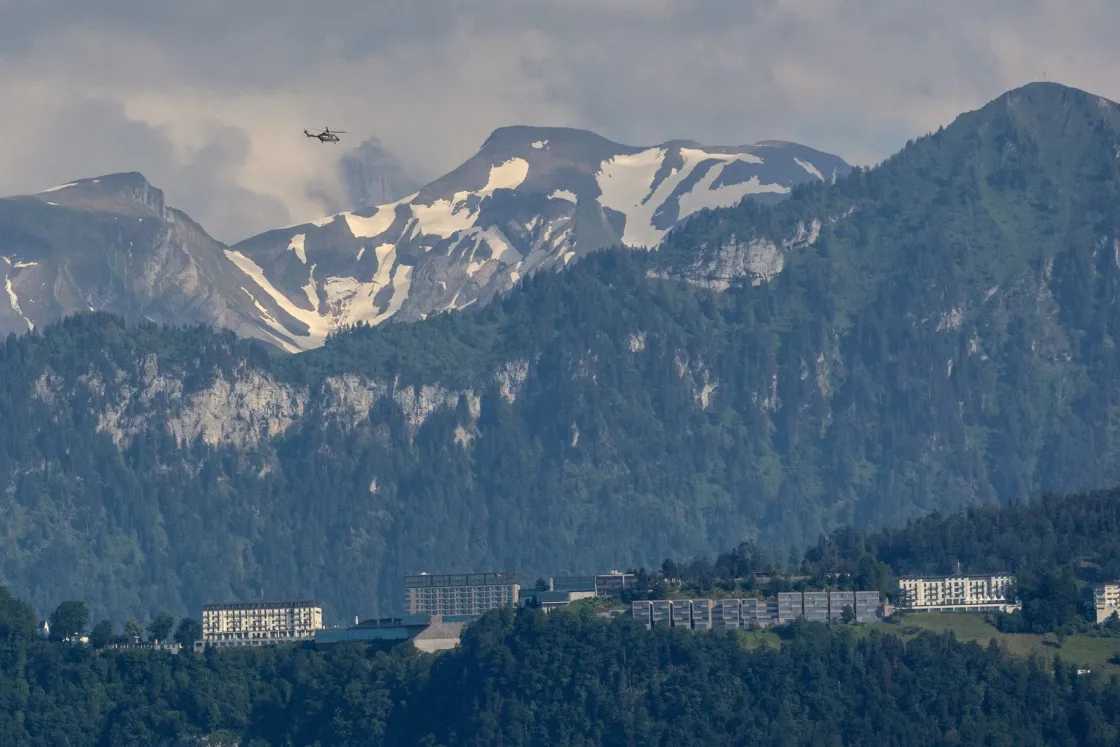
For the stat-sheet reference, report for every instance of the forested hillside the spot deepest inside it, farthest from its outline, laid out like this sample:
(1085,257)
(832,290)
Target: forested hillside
(560,679)
(934,333)
(1078,531)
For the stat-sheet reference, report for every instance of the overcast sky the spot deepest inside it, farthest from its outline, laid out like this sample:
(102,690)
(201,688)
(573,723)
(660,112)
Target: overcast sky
(208,98)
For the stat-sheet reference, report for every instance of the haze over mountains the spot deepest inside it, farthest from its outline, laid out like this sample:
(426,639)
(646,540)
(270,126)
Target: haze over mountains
(532,198)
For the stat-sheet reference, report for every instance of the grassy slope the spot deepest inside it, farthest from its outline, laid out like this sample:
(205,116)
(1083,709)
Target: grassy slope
(1085,651)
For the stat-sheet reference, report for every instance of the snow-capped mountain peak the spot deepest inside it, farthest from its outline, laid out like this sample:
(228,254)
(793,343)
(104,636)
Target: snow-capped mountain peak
(531,198)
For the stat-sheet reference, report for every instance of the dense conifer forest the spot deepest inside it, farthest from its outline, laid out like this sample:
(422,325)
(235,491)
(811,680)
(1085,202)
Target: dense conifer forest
(559,679)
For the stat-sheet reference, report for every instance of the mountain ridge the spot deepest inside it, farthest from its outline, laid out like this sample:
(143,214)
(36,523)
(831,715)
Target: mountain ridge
(532,198)
(529,199)
(932,333)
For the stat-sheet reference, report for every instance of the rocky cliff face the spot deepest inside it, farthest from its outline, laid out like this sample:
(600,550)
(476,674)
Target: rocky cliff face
(112,244)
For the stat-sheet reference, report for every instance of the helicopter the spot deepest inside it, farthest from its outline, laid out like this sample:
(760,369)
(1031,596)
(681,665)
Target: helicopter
(326,136)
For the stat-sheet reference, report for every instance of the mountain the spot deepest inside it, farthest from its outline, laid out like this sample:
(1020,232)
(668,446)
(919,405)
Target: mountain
(112,244)
(531,198)
(934,333)
(373,176)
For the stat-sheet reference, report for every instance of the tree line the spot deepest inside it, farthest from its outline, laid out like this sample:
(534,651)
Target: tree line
(567,679)
(71,618)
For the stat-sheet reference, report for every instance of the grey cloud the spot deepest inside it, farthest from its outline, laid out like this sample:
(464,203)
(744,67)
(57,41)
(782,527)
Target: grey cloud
(432,79)
(90,137)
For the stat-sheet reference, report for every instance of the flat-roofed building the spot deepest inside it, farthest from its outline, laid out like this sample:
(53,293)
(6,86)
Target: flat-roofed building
(815,605)
(727,614)
(1106,599)
(460,593)
(960,593)
(428,633)
(838,601)
(701,614)
(768,613)
(260,623)
(749,611)
(661,613)
(682,613)
(789,606)
(868,607)
(614,583)
(547,601)
(642,611)
(572,583)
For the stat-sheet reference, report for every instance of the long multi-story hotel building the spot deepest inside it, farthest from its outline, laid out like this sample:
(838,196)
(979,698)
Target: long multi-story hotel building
(260,623)
(741,614)
(961,593)
(460,593)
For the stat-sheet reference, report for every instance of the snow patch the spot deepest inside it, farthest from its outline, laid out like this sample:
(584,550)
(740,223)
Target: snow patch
(500,248)
(271,320)
(445,218)
(360,253)
(14,300)
(311,290)
(402,283)
(375,225)
(810,168)
(507,175)
(296,245)
(60,186)
(563,194)
(625,185)
(538,144)
(317,326)
(703,197)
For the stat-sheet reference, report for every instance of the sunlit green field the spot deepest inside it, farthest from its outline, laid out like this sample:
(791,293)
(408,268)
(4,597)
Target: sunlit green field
(1085,651)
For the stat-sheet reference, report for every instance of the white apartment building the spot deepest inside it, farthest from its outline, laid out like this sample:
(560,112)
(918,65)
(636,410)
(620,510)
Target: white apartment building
(260,623)
(460,594)
(1106,598)
(959,593)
